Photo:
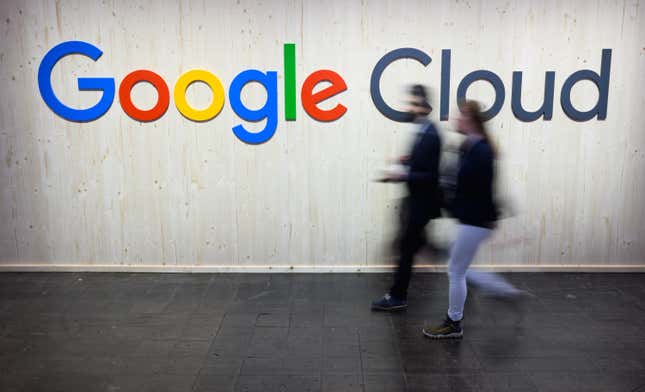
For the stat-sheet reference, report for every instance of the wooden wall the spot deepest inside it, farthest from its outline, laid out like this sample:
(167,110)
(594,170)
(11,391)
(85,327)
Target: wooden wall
(180,195)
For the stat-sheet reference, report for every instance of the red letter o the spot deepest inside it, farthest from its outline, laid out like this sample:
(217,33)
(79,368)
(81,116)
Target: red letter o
(157,82)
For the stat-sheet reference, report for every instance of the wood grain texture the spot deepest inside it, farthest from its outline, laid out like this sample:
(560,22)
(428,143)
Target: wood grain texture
(178,193)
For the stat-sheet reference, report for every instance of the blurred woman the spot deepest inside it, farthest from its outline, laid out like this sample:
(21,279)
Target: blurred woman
(474,207)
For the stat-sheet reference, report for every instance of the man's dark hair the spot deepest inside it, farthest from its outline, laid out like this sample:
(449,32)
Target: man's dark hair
(418,90)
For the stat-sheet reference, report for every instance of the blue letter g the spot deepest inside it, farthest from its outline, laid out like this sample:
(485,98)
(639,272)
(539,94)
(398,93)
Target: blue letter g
(100,84)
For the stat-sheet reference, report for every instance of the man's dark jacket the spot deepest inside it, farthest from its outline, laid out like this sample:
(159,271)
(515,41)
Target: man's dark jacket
(423,176)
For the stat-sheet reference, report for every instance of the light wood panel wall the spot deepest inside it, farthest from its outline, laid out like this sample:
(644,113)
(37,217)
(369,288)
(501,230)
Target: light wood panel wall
(117,194)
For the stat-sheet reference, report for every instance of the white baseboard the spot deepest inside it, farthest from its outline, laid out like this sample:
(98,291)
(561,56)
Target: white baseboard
(310,269)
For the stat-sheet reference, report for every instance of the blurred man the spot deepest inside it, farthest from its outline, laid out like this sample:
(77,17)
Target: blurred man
(423,202)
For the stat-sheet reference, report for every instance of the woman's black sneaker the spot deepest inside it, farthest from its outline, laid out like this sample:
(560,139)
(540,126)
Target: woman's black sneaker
(447,330)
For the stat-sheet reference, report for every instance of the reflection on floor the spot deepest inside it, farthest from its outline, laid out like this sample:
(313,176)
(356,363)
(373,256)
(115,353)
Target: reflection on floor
(314,332)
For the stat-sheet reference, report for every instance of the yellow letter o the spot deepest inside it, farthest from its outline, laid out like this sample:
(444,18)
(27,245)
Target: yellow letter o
(199,75)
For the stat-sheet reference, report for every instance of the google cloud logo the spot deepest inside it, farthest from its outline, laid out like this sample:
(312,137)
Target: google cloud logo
(310,95)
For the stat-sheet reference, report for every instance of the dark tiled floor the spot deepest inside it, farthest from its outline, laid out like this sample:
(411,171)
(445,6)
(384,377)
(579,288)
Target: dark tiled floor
(178,332)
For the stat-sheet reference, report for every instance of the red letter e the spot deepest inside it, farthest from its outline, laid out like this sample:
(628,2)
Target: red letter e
(310,100)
